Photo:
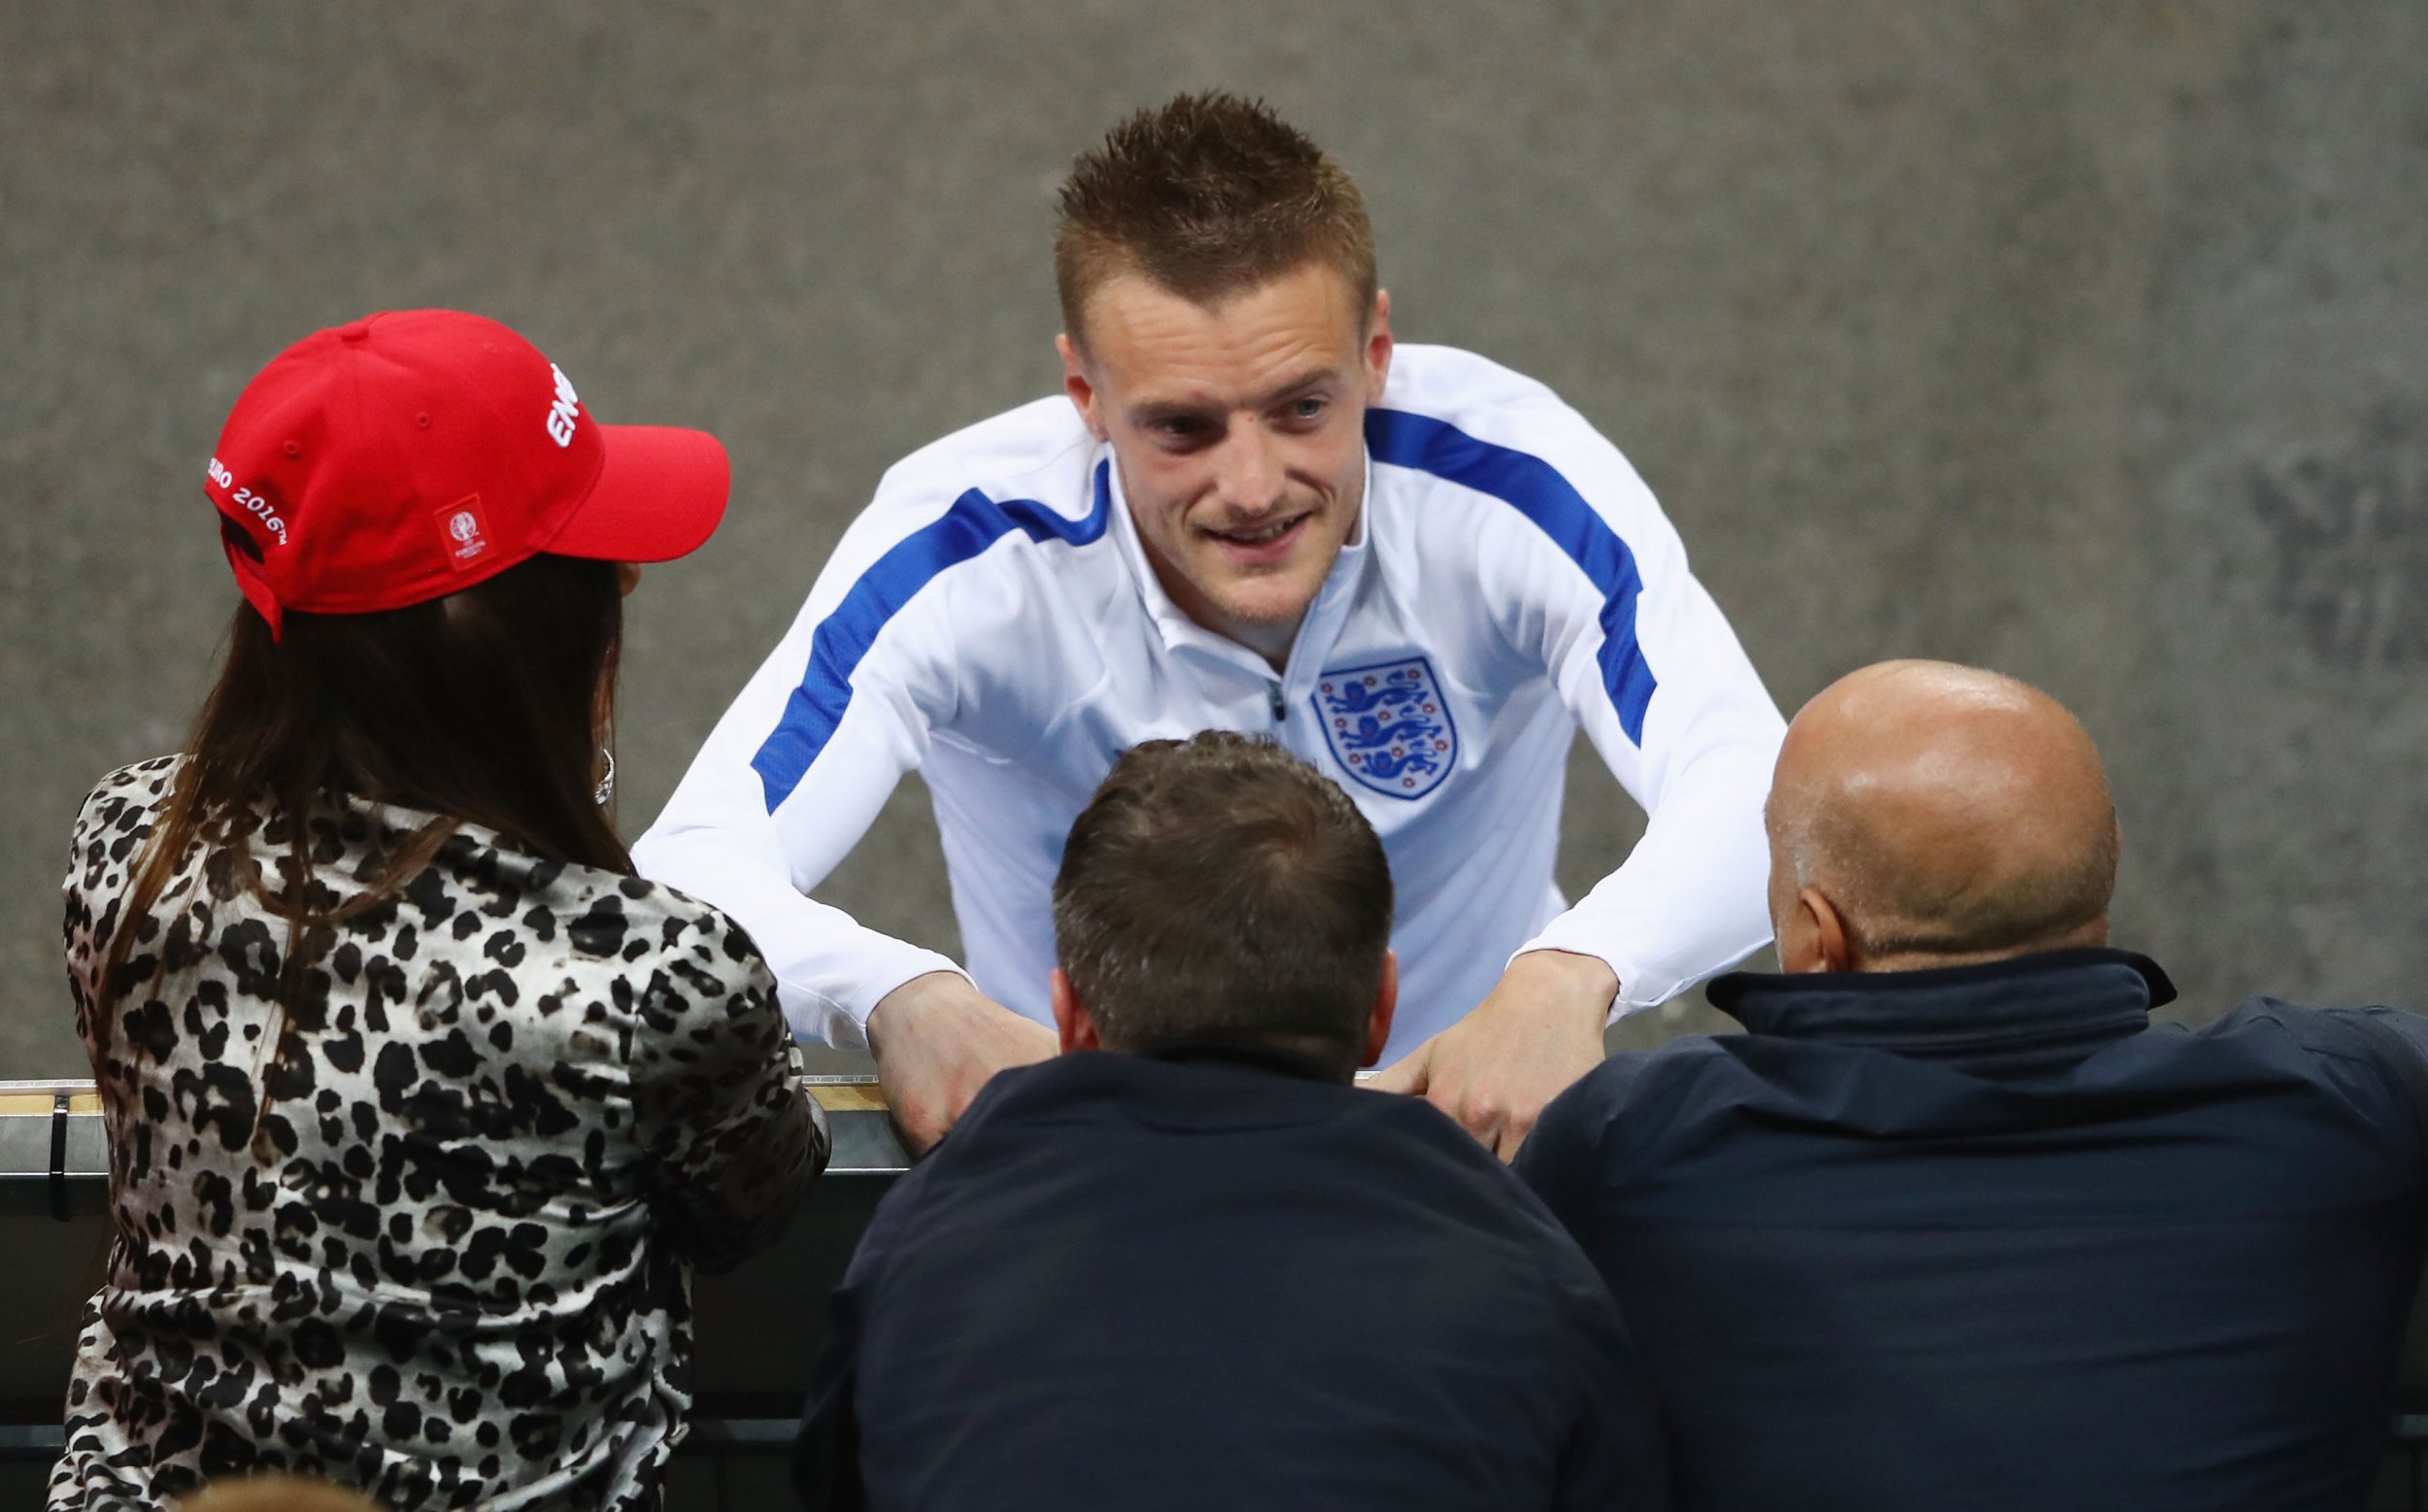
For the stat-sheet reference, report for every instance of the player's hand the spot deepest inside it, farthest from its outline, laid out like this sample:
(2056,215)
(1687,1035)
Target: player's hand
(1495,1069)
(937,1039)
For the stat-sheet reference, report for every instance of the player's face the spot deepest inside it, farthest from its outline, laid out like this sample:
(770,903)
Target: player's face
(1240,434)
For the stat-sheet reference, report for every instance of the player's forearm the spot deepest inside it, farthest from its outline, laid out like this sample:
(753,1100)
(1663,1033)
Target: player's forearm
(754,847)
(1690,900)
(1574,985)
(831,970)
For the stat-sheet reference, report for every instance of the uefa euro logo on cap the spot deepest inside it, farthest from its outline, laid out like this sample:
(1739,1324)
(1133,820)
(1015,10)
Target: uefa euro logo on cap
(467,538)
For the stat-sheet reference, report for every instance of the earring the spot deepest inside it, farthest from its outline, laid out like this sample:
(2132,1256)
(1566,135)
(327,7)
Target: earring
(606,788)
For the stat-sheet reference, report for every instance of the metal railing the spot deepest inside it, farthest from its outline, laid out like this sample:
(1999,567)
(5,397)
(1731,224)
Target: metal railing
(758,1327)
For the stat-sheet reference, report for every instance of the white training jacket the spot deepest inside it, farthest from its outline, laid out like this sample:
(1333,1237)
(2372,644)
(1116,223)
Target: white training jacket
(990,621)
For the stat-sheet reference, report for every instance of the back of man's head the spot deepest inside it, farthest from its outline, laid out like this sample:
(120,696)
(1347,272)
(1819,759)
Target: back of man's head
(1218,891)
(1208,195)
(1926,814)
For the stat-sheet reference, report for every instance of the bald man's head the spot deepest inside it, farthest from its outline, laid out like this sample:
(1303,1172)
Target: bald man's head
(1926,814)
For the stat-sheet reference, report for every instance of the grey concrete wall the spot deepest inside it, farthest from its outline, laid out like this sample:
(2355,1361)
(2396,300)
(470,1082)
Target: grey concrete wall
(2086,341)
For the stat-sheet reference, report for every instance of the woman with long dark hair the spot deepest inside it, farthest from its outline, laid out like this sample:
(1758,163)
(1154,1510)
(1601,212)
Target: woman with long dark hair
(420,1104)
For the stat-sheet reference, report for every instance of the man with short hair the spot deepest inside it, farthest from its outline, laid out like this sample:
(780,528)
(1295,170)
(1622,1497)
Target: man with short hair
(1954,1224)
(1250,510)
(1205,1269)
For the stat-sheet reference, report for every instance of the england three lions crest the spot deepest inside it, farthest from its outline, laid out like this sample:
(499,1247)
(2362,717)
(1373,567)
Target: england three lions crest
(1389,727)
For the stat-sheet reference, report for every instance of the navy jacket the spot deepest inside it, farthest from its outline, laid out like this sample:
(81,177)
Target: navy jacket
(1139,1284)
(1986,1238)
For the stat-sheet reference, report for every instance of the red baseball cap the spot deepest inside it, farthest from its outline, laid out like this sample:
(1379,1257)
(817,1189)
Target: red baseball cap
(402,456)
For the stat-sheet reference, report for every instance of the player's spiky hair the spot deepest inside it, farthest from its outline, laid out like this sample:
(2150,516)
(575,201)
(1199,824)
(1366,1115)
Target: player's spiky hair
(1208,195)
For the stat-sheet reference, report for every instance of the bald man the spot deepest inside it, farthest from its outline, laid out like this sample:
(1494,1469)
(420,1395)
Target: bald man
(1953,1224)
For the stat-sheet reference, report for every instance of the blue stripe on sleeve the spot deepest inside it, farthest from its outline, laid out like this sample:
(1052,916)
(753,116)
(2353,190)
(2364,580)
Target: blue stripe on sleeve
(843,637)
(1535,489)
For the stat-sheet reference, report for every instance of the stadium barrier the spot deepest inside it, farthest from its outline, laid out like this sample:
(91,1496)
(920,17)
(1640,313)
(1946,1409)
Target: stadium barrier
(758,1327)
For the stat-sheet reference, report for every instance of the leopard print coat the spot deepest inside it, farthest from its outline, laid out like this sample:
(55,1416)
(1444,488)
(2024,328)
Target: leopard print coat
(429,1234)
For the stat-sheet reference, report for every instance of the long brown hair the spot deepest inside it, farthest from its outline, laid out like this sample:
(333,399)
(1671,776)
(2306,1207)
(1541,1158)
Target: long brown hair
(484,706)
